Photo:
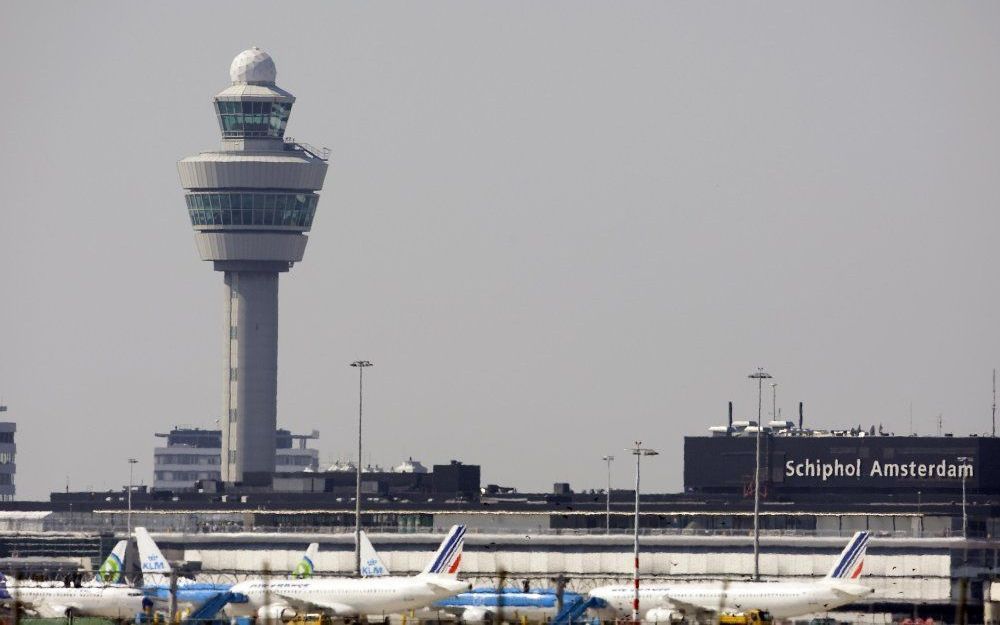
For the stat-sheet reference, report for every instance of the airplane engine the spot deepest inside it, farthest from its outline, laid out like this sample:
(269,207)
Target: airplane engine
(477,615)
(276,613)
(664,615)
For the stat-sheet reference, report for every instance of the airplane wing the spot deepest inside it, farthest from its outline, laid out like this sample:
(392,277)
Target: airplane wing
(51,610)
(689,608)
(331,608)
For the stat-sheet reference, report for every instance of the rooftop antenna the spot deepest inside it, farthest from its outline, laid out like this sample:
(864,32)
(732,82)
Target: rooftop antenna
(940,420)
(994,402)
(911,418)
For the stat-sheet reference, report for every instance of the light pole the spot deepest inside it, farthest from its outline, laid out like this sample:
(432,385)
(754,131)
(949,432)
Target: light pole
(774,401)
(131,464)
(638,451)
(965,517)
(760,375)
(609,460)
(360,364)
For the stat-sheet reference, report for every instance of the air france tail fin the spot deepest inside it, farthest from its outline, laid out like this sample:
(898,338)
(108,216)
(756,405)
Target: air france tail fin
(307,565)
(449,555)
(851,559)
(371,563)
(111,572)
(155,568)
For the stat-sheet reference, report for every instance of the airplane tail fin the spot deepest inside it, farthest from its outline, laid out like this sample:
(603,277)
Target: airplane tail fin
(851,559)
(448,557)
(155,568)
(307,565)
(371,563)
(112,570)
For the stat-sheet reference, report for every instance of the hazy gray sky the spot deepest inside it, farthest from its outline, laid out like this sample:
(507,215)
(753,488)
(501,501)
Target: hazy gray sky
(554,227)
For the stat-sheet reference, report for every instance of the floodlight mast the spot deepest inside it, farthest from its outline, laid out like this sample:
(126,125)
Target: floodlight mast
(638,451)
(760,375)
(361,366)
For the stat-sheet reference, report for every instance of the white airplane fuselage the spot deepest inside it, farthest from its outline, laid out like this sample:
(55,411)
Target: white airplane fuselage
(54,601)
(344,596)
(781,599)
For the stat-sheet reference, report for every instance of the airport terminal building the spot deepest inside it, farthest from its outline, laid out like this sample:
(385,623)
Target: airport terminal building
(932,546)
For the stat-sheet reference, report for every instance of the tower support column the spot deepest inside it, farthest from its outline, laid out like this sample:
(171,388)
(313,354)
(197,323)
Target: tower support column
(251,373)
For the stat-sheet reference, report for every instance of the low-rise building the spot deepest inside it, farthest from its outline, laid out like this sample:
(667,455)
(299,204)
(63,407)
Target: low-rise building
(194,454)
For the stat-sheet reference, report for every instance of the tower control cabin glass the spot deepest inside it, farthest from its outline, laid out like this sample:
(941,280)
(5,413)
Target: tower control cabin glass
(238,119)
(240,208)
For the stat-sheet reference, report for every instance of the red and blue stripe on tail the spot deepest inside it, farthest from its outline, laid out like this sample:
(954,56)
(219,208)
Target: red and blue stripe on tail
(448,557)
(852,558)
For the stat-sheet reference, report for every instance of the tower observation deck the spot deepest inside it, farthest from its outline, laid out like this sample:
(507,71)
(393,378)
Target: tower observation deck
(251,203)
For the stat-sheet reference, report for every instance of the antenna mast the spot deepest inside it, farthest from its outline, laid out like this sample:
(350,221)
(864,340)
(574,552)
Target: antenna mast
(994,402)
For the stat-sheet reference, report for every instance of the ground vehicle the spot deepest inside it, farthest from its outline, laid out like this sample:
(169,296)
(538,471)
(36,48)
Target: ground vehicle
(750,617)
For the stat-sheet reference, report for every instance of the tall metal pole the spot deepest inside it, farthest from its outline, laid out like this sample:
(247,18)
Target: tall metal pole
(360,364)
(131,479)
(774,401)
(994,403)
(760,375)
(965,517)
(609,460)
(638,451)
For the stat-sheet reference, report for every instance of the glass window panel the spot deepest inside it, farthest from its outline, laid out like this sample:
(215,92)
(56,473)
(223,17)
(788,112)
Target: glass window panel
(224,199)
(258,201)
(269,200)
(279,202)
(258,218)
(246,108)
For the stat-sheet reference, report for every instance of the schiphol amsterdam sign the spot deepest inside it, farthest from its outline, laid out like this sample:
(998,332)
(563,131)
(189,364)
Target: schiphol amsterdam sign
(944,469)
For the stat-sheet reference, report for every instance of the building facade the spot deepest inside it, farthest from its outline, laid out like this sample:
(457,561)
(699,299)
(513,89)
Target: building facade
(8,453)
(193,454)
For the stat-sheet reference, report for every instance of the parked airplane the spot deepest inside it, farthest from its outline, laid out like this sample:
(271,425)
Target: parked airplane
(156,570)
(56,601)
(356,597)
(483,605)
(672,602)
(479,605)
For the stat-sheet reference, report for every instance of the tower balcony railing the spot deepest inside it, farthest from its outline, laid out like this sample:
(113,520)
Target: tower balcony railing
(322,154)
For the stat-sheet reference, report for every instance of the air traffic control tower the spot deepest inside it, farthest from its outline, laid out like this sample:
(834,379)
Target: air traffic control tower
(251,203)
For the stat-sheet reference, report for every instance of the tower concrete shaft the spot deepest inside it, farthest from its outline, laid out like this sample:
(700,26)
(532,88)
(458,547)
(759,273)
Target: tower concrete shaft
(251,204)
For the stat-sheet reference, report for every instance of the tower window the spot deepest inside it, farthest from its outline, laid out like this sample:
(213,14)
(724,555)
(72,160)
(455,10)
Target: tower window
(253,119)
(292,210)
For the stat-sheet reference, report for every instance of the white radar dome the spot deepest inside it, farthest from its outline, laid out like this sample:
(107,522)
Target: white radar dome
(253,65)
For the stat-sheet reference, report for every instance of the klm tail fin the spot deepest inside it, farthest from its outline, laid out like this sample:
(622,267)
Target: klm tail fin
(307,565)
(449,555)
(155,568)
(371,563)
(111,572)
(852,558)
